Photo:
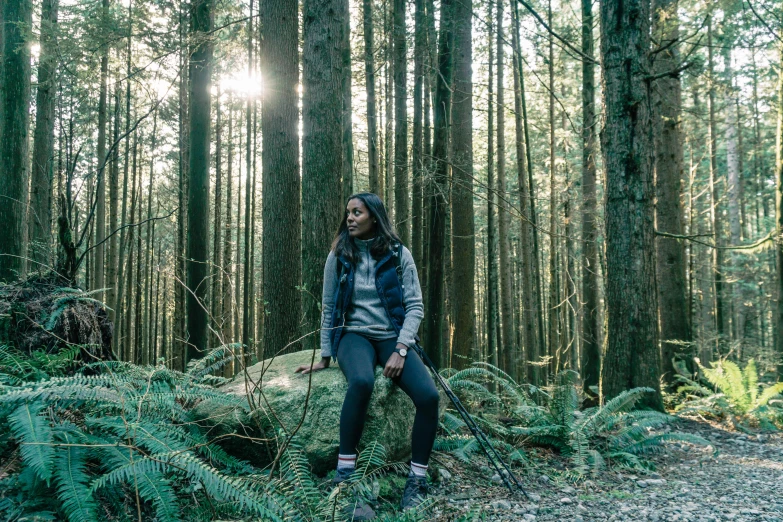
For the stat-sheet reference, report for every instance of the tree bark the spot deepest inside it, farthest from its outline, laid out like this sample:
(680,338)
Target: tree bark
(216,300)
(778,319)
(14,124)
(322,151)
(591,343)
(282,247)
(401,193)
(438,204)
(200,103)
(99,276)
(632,354)
(463,225)
(528,296)
(492,238)
(41,184)
(717,253)
(508,349)
(372,109)
(417,161)
(348,173)
(667,102)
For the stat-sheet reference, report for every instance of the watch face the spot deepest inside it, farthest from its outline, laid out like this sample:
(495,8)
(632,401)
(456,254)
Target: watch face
(403,352)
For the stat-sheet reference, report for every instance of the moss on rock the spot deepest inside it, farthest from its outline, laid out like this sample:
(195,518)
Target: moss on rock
(281,397)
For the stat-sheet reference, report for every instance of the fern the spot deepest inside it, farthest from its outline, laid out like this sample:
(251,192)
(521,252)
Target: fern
(72,479)
(34,434)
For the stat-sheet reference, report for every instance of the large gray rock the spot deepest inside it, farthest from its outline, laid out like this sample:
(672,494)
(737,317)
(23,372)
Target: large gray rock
(281,398)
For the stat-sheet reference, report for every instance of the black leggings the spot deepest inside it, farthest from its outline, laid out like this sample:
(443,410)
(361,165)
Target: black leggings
(358,357)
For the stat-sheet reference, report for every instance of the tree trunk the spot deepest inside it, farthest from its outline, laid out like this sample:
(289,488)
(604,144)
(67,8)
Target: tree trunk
(348,173)
(632,354)
(438,204)
(463,226)
(666,103)
(227,297)
(43,142)
(717,253)
(508,349)
(417,201)
(216,301)
(247,280)
(177,354)
(372,110)
(778,320)
(200,103)
(282,247)
(493,342)
(322,150)
(99,275)
(554,294)
(401,193)
(591,342)
(14,124)
(528,298)
(114,190)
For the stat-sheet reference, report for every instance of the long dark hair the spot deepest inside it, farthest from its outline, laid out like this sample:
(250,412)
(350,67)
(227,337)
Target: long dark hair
(385,235)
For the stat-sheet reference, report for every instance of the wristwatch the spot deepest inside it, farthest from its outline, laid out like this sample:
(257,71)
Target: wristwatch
(402,351)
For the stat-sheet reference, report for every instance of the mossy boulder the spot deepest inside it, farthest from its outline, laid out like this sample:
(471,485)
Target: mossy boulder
(281,397)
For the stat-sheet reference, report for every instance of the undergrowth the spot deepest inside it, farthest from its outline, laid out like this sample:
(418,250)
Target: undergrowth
(116,441)
(613,434)
(732,394)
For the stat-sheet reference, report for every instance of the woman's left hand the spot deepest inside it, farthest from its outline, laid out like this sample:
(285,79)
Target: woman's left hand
(393,368)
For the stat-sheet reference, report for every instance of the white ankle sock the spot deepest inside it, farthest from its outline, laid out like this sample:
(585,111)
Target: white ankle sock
(418,469)
(346,461)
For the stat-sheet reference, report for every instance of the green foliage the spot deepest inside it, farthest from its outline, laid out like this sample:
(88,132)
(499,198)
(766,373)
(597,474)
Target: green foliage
(115,440)
(16,367)
(739,397)
(613,433)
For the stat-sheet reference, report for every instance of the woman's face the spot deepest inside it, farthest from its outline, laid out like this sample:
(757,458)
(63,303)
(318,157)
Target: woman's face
(361,224)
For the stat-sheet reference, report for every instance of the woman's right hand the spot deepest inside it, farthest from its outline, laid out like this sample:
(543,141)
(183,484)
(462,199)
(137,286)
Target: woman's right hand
(320,365)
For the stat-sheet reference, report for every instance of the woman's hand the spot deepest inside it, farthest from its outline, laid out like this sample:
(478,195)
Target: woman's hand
(320,365)
(393,368)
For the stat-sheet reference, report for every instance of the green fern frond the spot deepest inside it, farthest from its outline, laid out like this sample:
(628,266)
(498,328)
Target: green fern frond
(620,404)
(70,475)
(34,434)
(214,360)
(769,393)
(750,381)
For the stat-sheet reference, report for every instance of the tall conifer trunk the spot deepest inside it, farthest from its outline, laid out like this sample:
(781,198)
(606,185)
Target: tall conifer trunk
(667,102)
(507,345)
(438,203)
(41,184)
(528,296)
(14,123)
(282,247)
(200,104)
(401,192)
(591,345)
(632,354)
(372,109)
(322,150)
(463,223)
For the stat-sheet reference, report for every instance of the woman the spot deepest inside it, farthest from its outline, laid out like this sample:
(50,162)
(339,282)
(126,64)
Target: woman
(370,317)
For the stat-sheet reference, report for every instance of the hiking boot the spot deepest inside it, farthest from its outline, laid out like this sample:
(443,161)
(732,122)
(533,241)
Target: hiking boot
(360,510)
(341,475)
(415,491)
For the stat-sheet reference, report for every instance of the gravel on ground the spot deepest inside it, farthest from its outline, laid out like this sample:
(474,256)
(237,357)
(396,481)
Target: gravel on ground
(738,477)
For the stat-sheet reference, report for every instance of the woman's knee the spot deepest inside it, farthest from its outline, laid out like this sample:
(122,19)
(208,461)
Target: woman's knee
(428,399)
(362,386)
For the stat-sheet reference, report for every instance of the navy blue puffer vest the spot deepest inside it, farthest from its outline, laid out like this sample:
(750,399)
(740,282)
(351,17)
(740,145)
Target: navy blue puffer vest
(389,290)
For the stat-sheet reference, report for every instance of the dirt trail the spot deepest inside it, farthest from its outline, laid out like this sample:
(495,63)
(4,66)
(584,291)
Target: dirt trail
(737,478)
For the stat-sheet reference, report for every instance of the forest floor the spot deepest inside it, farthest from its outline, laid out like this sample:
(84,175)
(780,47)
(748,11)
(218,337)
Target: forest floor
(738,477)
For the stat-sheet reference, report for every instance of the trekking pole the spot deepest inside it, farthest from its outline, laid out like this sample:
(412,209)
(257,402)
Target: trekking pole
(492,455)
